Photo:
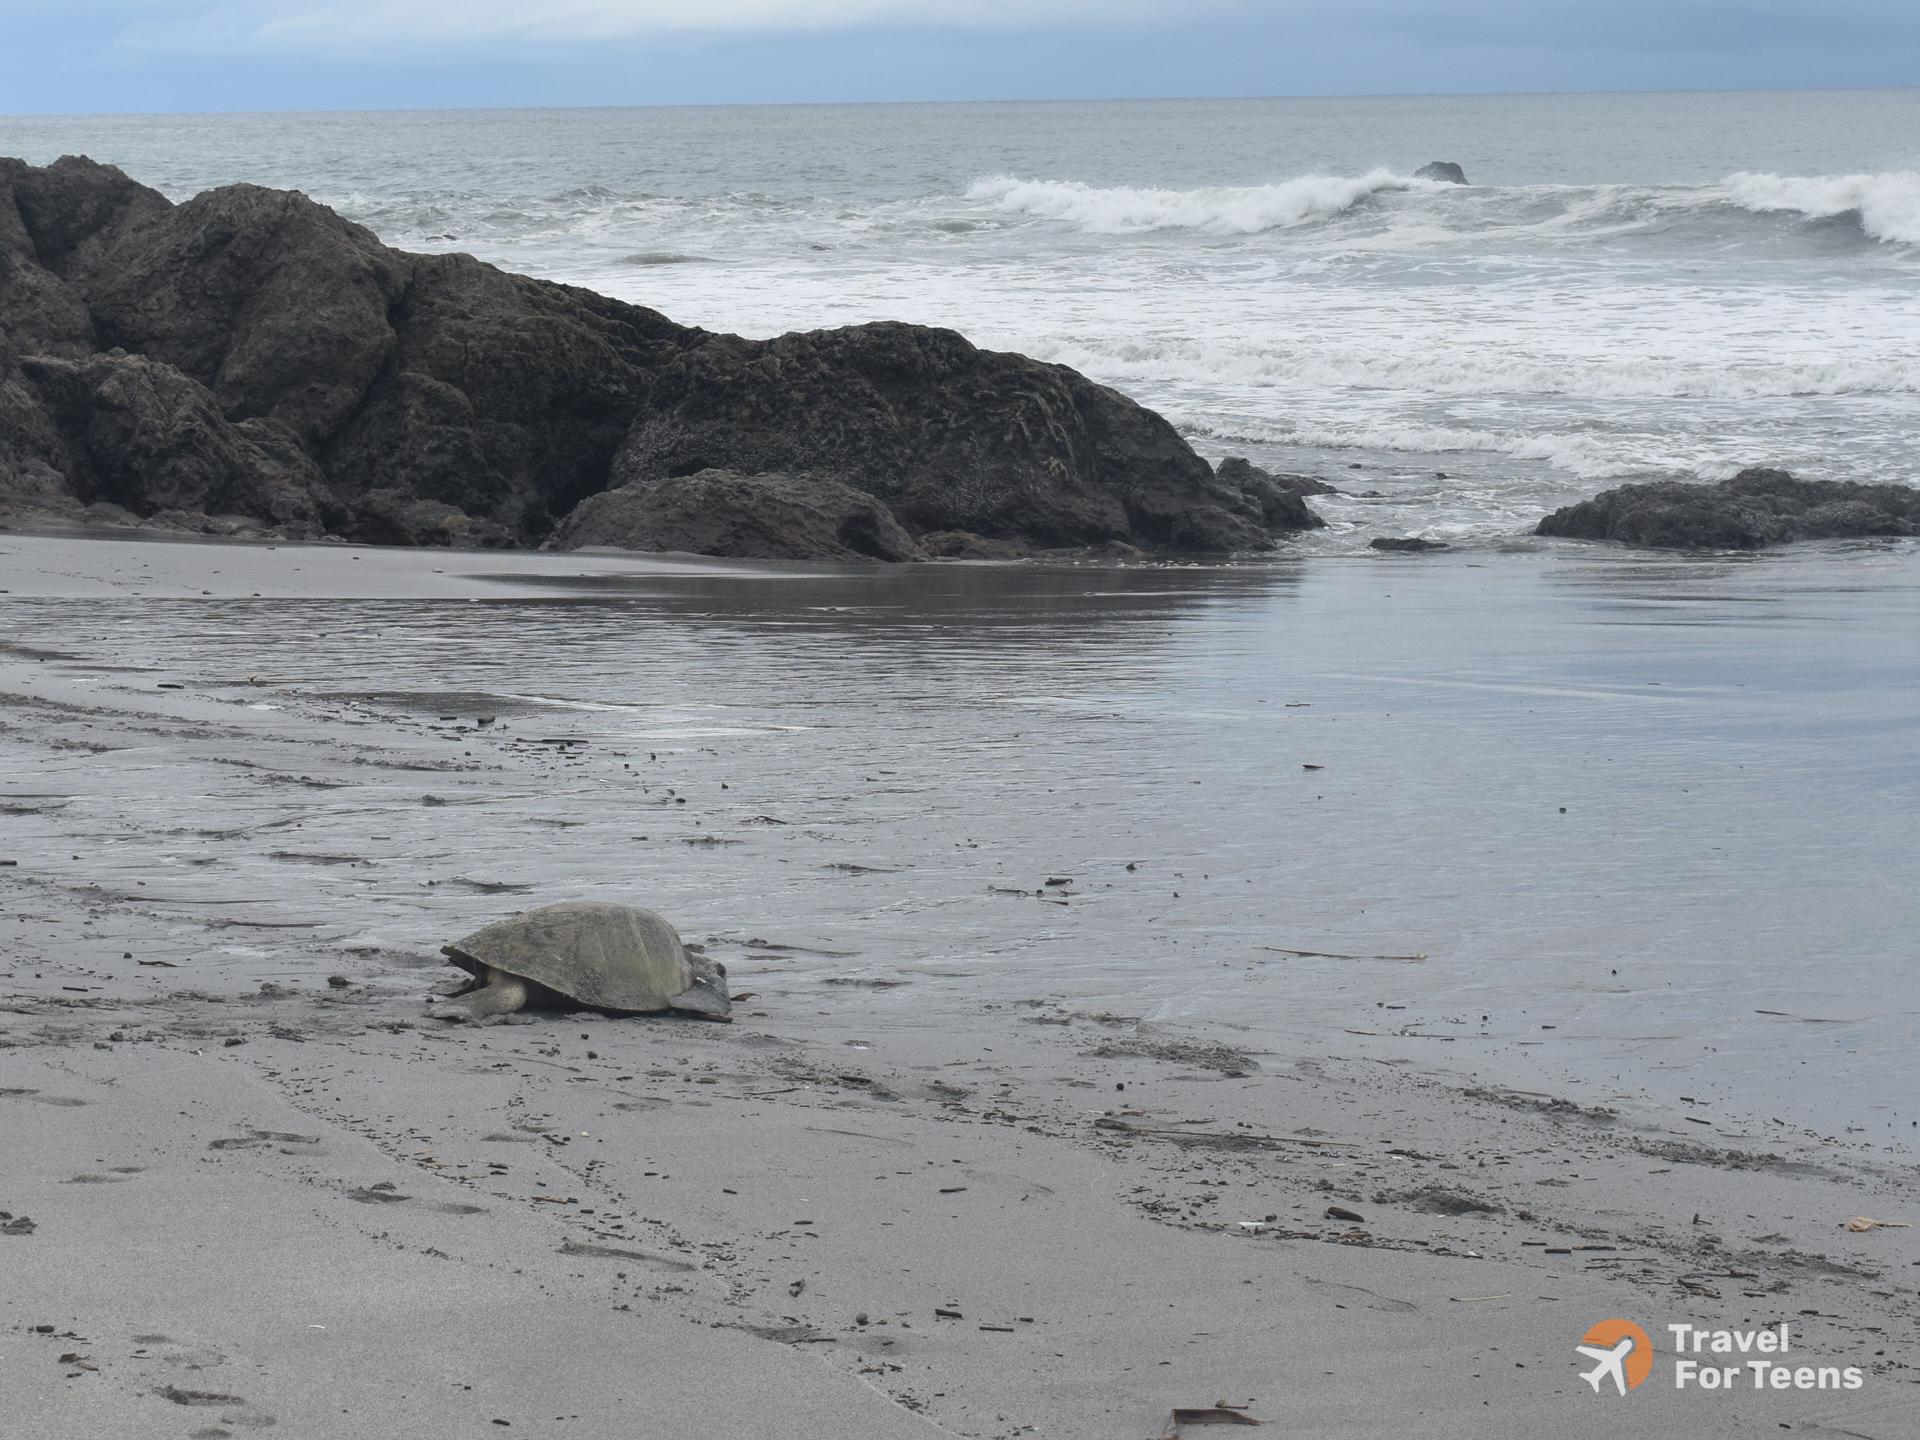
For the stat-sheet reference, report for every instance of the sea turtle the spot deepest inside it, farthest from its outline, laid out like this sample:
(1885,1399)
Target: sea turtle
(583,953)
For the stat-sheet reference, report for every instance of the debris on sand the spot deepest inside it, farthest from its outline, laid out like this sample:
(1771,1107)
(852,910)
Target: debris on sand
(1223,1058)
(1439,1200)
(1229,1139)
(1217,1414)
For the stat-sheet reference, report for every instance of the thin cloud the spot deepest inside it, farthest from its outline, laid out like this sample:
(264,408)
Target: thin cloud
(346,27)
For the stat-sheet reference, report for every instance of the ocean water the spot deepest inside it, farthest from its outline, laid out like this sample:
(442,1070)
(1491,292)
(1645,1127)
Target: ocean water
(1632,287)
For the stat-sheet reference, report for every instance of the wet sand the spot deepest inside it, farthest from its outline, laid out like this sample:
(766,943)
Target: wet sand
(1101,1121)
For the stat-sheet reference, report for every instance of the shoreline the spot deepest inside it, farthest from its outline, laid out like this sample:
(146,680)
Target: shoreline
(291,703)
(326,1205)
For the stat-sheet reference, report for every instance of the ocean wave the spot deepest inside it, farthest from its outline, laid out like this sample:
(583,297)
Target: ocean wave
(1591,457)
(1454,371)
(1218,210)
(1324,220)
(1588,456)
(1887,205)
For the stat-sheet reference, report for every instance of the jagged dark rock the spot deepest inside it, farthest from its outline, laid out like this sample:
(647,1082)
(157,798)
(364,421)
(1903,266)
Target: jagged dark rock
(1244,474)
(249,353)
(1443,170)
(1757,507)
(951,437)
(1406,544)
(134,432)
(1281,498)
(720,512)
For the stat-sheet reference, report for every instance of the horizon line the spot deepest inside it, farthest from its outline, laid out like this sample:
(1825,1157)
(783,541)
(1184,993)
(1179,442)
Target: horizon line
(1012,100)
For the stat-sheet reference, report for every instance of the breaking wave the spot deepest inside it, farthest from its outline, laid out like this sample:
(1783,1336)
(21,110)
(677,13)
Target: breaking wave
(1886,206)
(1223,210)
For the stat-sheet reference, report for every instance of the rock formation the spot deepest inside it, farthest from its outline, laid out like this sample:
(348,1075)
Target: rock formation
(1282,498)
(720,512)
(1757,507)
(250,355)
(1442,170)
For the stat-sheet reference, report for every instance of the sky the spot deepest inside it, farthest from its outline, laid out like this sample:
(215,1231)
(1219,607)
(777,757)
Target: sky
(98,56)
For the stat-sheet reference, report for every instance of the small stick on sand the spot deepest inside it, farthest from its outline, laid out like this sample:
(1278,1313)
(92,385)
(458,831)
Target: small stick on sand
(1337,955)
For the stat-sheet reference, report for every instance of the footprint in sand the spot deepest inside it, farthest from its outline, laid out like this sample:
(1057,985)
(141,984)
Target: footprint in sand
(386,1194)
(378,1195)
(38,1099)
(179,1395)
(112,1175)
(236,1410)
(284,1141)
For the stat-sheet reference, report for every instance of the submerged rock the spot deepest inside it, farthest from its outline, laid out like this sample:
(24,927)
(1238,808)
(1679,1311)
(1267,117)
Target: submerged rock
(1406,544)
(1442,170)
(1757,507)
(759,517)
(250,353)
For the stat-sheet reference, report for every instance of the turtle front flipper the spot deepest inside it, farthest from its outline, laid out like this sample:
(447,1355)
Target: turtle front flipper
(501,995)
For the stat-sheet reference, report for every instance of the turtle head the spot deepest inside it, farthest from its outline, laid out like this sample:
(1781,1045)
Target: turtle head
(707,996)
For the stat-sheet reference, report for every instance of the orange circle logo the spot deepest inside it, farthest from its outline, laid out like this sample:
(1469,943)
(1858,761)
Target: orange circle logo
(1621,1353)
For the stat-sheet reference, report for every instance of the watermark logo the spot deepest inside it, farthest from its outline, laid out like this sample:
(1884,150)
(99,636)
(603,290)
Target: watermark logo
(1706,1359)
(1622,1353)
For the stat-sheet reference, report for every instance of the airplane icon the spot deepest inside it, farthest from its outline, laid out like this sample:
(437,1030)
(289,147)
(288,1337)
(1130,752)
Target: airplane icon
(1611,1360)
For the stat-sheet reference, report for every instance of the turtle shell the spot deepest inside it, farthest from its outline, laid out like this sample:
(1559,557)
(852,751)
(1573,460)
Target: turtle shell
(607,957)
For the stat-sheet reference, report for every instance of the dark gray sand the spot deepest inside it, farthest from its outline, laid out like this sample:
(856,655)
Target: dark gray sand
(983,1155)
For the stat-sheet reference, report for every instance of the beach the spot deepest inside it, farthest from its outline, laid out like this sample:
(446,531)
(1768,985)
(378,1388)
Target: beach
(1095,932)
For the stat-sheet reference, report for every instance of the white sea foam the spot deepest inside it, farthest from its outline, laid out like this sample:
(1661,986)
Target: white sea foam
(1220,210)
(1405,364)
(1591,457)
(1888,204)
